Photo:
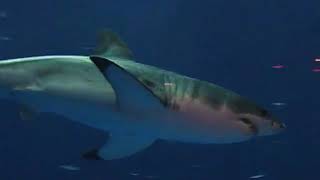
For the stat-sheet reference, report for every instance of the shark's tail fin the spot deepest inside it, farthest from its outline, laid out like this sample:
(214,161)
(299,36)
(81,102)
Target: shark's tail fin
(110,45)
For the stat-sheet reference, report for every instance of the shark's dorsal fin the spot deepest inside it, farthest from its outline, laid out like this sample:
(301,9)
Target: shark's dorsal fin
(110,45)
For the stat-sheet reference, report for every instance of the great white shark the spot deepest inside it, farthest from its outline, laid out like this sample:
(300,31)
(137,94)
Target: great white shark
(136,103)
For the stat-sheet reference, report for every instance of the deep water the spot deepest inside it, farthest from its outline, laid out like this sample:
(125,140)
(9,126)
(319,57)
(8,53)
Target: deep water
(231,43)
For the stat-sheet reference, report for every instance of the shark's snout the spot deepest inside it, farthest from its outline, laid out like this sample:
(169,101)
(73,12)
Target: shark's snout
(278,127)
(270,127)
(265,125)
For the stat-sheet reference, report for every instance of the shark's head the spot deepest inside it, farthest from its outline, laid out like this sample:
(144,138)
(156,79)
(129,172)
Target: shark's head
(263,123)
(234,118)
(259,118)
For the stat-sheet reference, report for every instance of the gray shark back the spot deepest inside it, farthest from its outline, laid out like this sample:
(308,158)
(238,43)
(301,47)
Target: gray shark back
(171,88)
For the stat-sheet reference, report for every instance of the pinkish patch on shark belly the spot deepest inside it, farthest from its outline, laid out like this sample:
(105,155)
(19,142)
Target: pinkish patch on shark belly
(197,122)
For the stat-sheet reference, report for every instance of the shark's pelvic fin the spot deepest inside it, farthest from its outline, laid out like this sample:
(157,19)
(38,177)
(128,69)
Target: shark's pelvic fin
(110,45)
(27,113)
(131,94)
(118,147)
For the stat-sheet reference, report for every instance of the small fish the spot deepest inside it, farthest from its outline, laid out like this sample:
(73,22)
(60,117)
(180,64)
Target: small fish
(150,177)
(70,167)
(278,66)
(316,70)
(4,38)
(87,47)
(134,174)
(257,176)
(278,142)
(279,104)
(3,14)
(317,60)
(196,166)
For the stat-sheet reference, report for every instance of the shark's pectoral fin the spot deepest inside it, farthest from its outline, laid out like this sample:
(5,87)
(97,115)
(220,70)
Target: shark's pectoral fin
(119,147)
(131,94)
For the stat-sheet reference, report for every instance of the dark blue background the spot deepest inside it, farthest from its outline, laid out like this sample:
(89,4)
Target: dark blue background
(230,43)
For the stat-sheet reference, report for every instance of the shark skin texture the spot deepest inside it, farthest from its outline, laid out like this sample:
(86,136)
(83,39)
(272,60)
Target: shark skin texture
(136,103)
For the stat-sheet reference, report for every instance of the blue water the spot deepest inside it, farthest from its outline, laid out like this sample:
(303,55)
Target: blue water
(231,43)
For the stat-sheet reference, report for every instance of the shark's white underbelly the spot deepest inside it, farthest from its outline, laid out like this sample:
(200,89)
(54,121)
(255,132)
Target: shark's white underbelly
(170,125)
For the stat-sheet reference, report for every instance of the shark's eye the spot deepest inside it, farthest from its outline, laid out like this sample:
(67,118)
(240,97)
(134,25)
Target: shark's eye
(264,113)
